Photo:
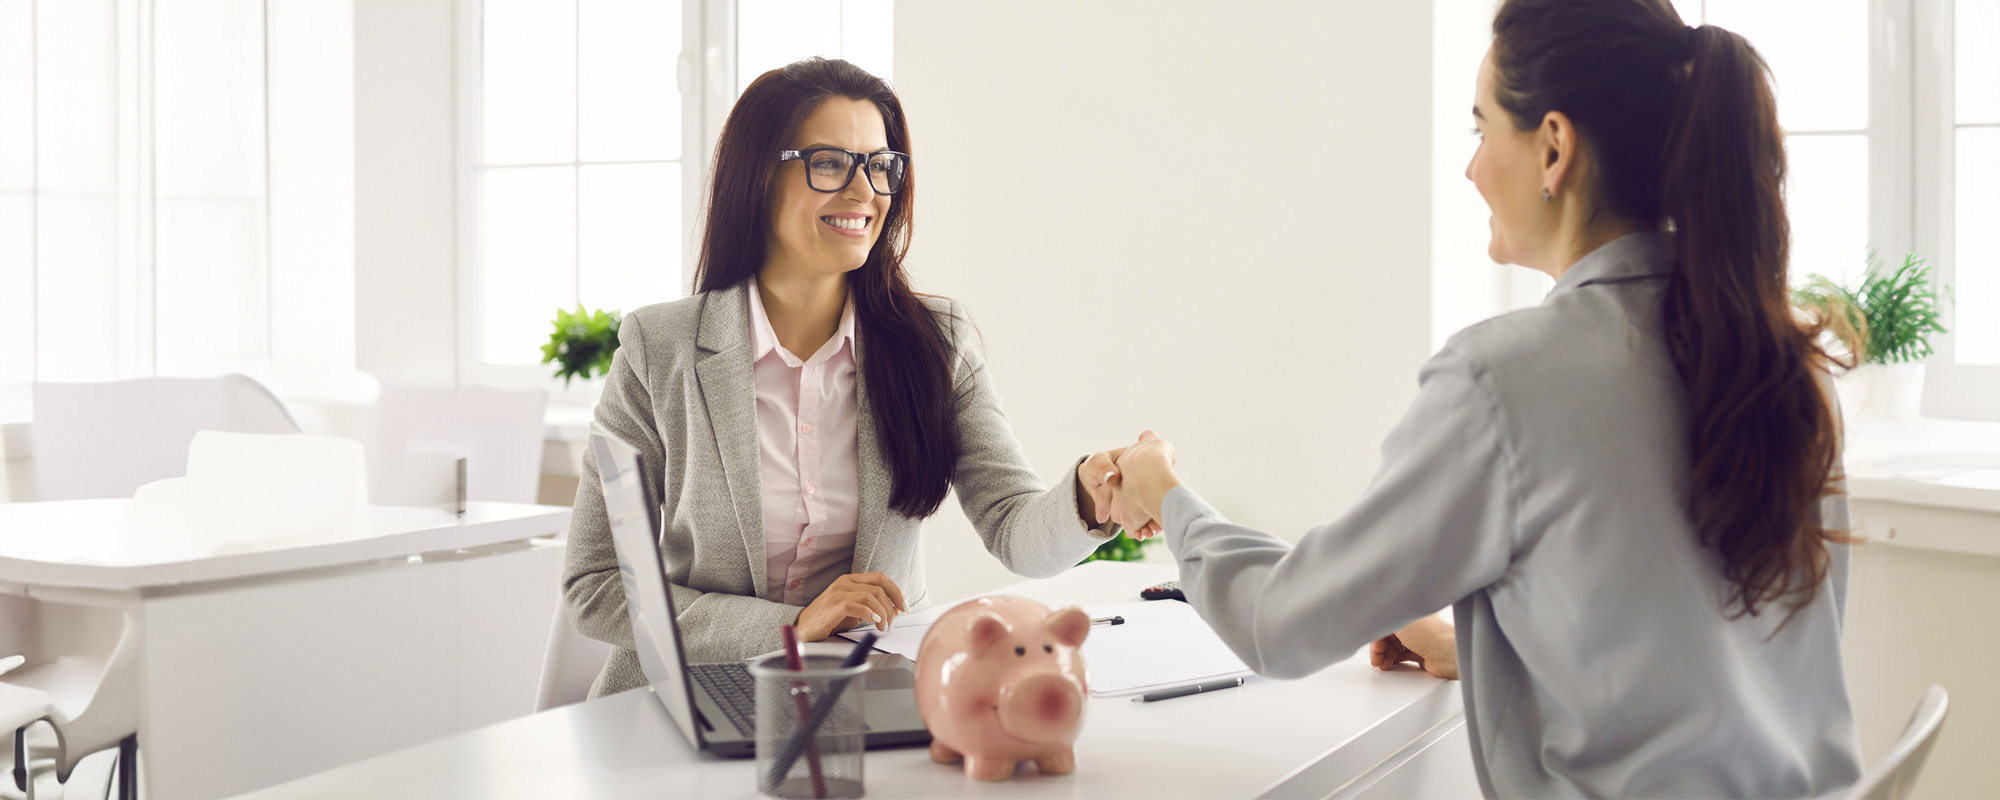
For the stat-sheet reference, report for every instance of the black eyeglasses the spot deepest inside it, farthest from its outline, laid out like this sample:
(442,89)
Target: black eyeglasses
(831,169)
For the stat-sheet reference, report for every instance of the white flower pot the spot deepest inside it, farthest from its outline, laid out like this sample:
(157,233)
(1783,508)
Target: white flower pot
(1882,391)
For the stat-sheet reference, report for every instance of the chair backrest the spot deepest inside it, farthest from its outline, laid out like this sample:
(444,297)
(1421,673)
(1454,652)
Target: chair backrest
(1895,775)
(106,439)
(498,432)
(570,664)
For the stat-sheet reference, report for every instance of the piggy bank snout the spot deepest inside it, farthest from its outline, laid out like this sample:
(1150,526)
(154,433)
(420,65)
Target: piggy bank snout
(1043,707)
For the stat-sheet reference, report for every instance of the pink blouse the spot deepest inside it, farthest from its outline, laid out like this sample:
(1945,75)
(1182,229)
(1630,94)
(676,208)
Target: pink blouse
(806,416)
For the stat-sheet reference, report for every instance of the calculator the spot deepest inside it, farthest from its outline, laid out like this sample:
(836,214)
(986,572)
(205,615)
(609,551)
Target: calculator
(1169,590)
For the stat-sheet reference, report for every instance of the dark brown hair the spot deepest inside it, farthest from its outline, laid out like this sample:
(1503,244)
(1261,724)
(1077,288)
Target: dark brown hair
(908,364)
(1684,131)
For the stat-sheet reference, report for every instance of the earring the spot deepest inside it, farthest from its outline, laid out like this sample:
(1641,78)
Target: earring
(1545,194)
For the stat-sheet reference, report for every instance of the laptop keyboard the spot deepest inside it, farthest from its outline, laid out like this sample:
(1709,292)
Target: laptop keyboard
(731,686)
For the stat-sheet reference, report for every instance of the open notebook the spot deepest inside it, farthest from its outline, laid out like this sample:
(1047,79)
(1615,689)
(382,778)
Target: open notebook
(1162,643)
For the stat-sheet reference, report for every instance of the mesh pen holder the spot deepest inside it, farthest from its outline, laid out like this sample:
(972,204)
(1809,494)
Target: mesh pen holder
(809,728)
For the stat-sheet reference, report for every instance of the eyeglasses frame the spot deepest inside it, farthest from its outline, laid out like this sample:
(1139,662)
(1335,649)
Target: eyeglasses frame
(857,159)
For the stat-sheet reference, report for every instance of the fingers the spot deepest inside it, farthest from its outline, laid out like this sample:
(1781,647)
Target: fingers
(892,592)
(1097,474)
(1389,651)
(868,607)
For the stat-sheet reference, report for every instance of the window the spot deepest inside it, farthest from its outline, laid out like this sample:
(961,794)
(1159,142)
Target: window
(1976,177)
(1959,175)
(171,188)
(591,123)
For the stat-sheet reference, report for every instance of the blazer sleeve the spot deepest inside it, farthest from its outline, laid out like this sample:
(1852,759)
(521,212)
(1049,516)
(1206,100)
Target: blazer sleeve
(1437,524)
(1032,529)
(714,626)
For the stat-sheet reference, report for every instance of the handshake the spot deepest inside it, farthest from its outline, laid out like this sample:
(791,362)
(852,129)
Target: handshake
(1128,485)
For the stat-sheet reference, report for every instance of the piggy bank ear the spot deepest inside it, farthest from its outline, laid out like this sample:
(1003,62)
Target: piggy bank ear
(1069,626)
(987,629)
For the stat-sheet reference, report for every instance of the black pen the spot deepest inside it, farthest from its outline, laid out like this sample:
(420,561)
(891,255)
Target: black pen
(1108,621)
(1169,694)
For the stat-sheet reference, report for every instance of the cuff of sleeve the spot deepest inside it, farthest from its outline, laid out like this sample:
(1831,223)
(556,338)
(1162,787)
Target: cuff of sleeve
(1181,508)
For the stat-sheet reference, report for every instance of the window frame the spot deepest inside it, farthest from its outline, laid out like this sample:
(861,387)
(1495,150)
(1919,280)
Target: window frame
(1951,389)
(704,80)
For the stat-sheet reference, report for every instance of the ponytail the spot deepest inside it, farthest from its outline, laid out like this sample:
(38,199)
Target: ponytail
(1763,440)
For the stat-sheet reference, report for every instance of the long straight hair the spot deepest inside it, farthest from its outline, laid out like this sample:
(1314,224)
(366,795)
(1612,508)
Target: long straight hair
(908,363)
(1684,129)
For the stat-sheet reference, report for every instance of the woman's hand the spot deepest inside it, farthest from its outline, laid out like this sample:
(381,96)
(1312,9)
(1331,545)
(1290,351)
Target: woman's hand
(1429,642)
(1146,474)
(868,596)
(1096,478)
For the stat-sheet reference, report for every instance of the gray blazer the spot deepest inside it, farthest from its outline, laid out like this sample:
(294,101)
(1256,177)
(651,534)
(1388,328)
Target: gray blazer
(681,391)
(1538,484)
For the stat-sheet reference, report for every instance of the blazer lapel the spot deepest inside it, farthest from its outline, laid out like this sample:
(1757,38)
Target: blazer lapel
(873,480)
(729,391)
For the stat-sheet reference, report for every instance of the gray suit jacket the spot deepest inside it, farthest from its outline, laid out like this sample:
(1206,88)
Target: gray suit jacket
(1539,484)
(681,391)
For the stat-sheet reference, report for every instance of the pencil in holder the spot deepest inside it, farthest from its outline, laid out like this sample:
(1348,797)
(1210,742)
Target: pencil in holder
(810,735)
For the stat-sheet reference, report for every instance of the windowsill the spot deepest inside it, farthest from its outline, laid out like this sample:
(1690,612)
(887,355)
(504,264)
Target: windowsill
(1929,462)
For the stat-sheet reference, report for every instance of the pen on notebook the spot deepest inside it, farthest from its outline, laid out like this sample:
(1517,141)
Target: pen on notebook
(1108,621)
(1183,691)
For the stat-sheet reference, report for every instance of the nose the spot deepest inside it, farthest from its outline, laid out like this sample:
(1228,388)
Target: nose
(1042,708)
(858,189)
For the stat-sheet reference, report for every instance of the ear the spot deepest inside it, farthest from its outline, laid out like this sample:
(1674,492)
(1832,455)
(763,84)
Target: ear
(1069,626)
(1558,143)
(987,629)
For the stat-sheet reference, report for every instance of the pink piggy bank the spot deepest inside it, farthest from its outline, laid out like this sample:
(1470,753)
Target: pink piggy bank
(1000,681)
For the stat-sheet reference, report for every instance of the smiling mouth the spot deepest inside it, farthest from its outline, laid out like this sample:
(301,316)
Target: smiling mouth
(848,223)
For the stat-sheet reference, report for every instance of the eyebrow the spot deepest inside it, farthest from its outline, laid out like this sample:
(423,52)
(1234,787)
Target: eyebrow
(1475,112)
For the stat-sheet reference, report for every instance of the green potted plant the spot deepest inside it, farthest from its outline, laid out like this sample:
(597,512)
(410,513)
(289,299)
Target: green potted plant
(1120,548)
(1886,320)
(582,343)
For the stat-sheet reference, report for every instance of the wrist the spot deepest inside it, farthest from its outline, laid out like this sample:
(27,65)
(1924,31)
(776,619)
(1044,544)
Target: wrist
(1154,495)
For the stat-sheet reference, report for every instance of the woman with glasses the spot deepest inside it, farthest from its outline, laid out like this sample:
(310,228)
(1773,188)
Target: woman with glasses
(1628,494)
(805,410)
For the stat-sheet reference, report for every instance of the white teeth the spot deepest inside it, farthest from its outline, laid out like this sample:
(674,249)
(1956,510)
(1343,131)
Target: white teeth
(849,223)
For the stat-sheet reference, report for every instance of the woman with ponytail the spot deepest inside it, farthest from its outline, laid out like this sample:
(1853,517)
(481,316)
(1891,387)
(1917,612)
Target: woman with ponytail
(1629,494)
(801,414)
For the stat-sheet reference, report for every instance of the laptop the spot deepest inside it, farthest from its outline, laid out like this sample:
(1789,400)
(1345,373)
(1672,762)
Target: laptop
(715,705)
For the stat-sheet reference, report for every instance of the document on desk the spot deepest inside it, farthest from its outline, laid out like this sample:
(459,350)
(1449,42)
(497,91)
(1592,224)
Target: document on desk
(1161,643)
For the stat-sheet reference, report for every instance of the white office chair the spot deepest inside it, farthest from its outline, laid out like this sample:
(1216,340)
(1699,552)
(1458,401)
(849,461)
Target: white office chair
(92,704)
(570,664)
(106,439)
(1895,776)
(420,432)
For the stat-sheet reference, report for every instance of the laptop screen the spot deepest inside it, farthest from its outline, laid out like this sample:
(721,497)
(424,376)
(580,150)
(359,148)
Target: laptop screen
(633,536)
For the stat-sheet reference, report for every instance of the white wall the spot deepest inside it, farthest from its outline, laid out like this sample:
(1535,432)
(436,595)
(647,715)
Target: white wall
(1209,219)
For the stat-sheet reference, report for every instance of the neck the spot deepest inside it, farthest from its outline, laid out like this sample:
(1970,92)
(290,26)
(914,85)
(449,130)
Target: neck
(804,309)
(1578,238)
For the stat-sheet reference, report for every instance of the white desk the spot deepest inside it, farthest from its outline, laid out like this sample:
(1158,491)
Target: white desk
(1337,732)
(282,659)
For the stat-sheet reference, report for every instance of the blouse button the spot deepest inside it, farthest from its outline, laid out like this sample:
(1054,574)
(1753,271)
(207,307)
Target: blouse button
(807,542)
(796,584)
(810,489)
(806,428)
